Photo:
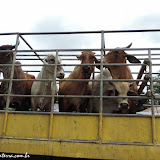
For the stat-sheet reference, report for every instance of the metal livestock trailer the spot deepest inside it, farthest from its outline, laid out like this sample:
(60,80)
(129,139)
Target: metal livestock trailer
(83,135)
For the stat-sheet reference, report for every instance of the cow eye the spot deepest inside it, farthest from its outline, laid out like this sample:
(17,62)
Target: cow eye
(128,93)
(52,59)
(116,93)
(116,52)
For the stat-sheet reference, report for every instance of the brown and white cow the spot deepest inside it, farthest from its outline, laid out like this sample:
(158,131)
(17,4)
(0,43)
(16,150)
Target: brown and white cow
(122,72)
(6,58)
(77,87)
(110,105)
(18,88)
(46,87)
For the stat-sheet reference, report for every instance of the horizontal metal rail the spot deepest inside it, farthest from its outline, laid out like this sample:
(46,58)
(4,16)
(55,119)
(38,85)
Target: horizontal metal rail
(22,59)
(82,80)
(90,49)
(97,64)
(78,114)
(80,32)
(76,96)
(80,141)
(69,71)
(73,55)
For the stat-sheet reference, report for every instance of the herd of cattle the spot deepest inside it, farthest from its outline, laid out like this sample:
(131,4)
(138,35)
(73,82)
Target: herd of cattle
(68,87)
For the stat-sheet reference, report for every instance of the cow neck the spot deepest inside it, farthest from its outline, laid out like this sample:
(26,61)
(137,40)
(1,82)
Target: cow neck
(118,72)
(79,74)
(47,72)
(6,72)
(122,73)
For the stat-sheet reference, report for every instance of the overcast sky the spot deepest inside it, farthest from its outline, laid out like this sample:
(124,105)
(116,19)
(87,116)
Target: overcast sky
(73,15)
(81,15)
(78,15)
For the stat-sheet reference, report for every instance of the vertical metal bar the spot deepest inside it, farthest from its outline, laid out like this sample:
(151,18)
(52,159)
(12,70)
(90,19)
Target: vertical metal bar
(101,88)
(101,72)
(53,98)
(10,87)
(152,101)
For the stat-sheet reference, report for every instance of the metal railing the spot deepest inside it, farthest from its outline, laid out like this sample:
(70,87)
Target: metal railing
(101,50)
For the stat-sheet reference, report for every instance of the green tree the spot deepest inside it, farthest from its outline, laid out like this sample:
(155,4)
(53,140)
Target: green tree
(156,86)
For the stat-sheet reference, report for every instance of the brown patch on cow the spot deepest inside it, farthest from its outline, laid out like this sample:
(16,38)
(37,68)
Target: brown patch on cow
(6,57)
(121,72)
(79,87)
(19,88)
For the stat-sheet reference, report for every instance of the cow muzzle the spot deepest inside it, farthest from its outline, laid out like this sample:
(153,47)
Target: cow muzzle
(86,69)
(124,105)
(61,75)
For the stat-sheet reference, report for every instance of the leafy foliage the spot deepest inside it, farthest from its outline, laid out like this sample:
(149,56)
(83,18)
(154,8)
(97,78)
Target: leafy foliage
(156,88)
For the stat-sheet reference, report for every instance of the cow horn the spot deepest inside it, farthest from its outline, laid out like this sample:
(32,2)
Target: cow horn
(129,45)
(13,47)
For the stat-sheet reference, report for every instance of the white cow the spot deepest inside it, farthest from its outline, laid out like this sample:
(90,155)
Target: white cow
(46,87)
(116,105)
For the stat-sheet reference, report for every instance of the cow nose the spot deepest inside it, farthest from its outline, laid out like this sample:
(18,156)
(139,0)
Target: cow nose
(86,68)
(62,75)
(124,105)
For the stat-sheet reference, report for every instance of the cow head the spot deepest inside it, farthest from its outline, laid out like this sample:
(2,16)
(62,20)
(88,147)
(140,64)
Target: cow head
(120,56)
(87,57)
(122,89)
(6,58)
(50,59)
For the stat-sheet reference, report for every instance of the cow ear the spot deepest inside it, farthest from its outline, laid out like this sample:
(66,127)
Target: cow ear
(132,93)
(79,57)
(132,59)
(12,47)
